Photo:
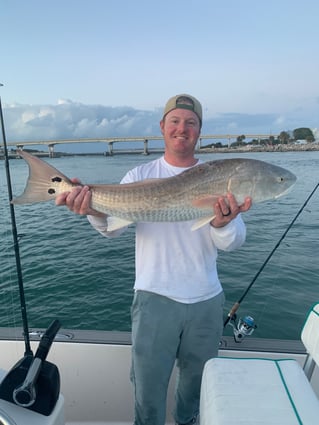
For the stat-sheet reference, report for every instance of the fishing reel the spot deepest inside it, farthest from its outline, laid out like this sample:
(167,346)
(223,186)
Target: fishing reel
(244,327)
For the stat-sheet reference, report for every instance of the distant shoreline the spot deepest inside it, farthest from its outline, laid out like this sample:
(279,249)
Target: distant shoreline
(309,147)
(269,148)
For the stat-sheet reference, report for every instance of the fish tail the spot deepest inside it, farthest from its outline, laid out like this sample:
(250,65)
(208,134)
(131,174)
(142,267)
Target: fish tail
(39,187)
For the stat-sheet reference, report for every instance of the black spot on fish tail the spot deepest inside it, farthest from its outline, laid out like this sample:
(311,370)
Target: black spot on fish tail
(51,191)
(56,179)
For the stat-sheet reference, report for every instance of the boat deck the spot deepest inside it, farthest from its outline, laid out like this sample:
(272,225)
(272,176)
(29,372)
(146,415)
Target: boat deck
(97,363)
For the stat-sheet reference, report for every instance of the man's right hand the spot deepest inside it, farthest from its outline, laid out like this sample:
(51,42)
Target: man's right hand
(78,200)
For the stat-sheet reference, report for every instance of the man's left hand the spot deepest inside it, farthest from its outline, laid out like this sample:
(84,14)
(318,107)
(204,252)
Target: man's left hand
(227,208)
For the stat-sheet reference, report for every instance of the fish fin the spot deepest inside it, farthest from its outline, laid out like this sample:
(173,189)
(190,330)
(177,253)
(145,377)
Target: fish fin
(39,182)
(202,222)
(116,223)
(207,201)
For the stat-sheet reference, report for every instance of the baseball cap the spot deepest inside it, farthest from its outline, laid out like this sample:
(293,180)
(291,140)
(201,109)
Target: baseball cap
(184,101)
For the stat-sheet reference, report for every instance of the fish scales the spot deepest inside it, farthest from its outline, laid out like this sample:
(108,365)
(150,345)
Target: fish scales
(158,200)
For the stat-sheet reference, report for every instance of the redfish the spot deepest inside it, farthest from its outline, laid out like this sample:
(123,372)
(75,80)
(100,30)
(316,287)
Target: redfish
(190,195)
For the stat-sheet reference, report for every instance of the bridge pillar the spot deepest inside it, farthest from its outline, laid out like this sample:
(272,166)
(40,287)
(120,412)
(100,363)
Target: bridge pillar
(111,148)
(145,147)
(51,151)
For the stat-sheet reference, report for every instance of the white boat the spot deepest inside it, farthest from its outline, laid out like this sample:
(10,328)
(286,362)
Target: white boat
(94,370)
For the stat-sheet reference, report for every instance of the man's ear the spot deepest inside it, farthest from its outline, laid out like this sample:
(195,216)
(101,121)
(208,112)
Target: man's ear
(162,126)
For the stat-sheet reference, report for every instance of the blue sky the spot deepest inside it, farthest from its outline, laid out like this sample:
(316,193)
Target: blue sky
(85,68)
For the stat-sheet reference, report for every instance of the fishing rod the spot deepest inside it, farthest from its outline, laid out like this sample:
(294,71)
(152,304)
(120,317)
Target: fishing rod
(15,235)
(33,382)
(246,326)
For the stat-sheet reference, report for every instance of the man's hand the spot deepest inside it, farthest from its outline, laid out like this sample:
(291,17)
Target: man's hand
(227,208)
(78,200)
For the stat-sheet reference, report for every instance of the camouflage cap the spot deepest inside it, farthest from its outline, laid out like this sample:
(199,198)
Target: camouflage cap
(184,101)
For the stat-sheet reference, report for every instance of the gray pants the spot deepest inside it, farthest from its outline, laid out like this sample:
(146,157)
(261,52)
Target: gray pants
(164,330)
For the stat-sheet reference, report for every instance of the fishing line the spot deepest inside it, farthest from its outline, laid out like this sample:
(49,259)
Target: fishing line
(28,350)
(235,307)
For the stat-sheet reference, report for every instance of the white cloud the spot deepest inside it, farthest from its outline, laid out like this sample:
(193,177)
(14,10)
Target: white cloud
(279,120)
(315,132)
(71,120)
(232,126)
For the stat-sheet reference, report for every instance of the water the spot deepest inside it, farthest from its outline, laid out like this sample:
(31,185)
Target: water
(72,273)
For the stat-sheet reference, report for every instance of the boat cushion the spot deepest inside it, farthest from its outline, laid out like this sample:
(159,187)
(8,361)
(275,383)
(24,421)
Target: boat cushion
(310,333)
(251,391)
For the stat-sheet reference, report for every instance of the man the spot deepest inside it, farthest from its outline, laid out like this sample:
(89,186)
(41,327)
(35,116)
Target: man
(177,311)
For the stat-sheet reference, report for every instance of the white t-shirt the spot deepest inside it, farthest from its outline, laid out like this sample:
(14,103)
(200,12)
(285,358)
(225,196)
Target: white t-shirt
(171,259)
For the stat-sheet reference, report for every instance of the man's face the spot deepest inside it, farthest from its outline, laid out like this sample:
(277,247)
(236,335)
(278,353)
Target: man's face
(181,129)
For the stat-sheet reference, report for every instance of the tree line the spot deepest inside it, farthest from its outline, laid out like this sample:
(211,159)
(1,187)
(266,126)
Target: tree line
(285,137)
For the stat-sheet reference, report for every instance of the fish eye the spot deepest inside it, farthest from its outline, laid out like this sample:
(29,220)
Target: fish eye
(56,179)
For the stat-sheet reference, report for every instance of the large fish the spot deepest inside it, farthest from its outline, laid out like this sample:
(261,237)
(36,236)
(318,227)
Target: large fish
(190,195)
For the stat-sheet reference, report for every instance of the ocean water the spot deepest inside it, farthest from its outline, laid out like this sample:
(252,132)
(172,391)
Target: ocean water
(72,273)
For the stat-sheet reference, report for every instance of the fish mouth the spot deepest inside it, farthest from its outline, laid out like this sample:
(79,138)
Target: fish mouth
(287,190)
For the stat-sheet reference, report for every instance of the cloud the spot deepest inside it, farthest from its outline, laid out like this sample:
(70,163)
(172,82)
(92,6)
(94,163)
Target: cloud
(236,123)
(279,120)
(71,120)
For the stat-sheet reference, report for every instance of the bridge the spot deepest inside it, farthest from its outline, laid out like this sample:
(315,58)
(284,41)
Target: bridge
(110,141)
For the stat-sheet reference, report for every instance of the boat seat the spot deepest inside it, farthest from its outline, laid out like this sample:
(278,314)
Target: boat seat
(251,391)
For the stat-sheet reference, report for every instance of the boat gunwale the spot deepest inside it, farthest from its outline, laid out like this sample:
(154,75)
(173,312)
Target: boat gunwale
(78,336)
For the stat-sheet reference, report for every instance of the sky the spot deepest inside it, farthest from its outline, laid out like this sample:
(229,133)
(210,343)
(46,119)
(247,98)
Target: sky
(103,68)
